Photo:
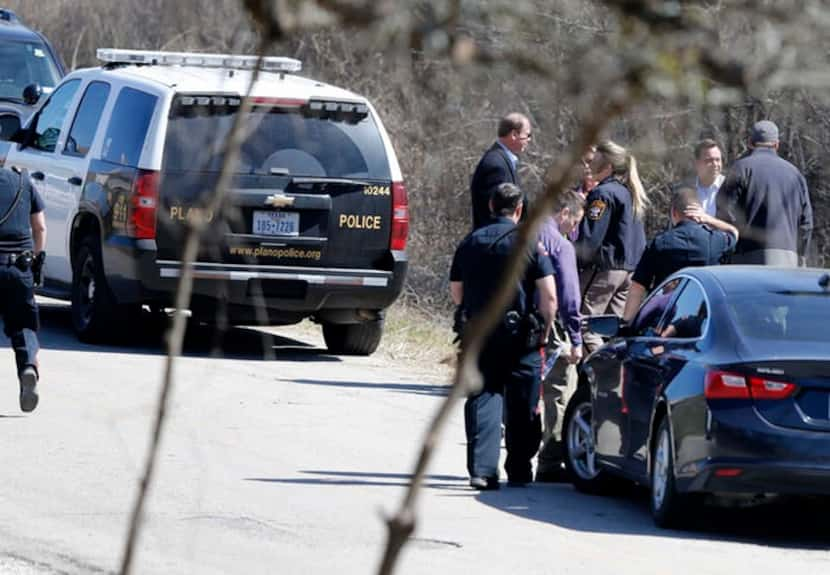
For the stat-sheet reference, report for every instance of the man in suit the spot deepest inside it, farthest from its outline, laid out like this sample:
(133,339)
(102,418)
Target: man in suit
(499,165)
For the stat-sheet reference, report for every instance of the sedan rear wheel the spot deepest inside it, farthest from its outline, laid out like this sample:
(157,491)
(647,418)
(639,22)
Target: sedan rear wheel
(669,507)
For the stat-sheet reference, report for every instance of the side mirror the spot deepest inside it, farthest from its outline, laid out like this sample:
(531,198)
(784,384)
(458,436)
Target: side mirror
(9,126)
(31,94)
(604,325)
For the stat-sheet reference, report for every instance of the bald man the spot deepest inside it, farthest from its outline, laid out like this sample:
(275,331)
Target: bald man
(499,165)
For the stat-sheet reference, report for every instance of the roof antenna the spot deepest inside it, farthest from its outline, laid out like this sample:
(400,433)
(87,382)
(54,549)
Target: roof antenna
(824,281)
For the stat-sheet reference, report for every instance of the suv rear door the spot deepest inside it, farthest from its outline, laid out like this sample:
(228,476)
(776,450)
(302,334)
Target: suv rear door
(312,188)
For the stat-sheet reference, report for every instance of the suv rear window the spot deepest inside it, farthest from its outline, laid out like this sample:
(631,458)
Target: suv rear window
(128,126)
(278,140)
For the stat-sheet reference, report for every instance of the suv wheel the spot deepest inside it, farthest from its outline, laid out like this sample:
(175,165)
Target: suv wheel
(353,338)
(95,315)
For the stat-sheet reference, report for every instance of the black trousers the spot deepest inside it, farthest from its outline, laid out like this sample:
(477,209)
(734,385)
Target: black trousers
(20,316)
(510,392)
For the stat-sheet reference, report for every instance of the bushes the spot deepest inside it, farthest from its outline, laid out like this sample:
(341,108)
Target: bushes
(442,118)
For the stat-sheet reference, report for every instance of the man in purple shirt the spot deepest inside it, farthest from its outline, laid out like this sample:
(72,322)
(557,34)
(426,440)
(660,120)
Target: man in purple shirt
(566,338)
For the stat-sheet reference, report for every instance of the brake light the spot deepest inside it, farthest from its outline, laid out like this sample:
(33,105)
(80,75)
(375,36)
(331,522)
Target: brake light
(725,385)
(729,472)
(144,201)
(400,217)
(761,388)
(278,102)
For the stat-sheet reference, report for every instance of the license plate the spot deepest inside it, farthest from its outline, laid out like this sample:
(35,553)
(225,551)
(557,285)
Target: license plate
(276,223)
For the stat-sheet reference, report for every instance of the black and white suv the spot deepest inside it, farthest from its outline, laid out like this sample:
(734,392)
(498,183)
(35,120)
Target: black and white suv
(125,154)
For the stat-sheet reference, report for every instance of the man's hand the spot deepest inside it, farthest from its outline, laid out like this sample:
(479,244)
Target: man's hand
(576,354)
(37,268)
(696,214)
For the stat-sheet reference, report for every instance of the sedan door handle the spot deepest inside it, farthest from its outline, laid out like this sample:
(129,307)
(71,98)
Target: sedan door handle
(37,175)
(75,181)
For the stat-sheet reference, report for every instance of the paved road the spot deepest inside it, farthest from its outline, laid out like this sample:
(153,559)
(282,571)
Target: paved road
(282,459)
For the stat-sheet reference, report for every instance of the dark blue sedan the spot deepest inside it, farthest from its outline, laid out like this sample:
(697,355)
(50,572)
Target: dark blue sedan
(720,384)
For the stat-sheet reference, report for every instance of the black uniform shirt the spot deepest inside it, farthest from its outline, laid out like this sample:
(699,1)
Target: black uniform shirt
(480,260)
(611,237)
(686,244)
(16,231)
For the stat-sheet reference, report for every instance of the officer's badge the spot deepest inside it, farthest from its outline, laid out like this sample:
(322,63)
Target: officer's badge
(596,209)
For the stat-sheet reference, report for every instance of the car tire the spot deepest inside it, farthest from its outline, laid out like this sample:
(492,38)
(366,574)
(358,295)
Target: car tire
(95,314)
(578,442)
(669,507)
(353,338)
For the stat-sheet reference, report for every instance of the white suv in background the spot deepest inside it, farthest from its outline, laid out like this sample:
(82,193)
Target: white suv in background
(124,154)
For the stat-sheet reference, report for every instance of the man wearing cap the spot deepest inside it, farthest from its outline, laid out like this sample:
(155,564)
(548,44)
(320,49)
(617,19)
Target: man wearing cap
(766,198)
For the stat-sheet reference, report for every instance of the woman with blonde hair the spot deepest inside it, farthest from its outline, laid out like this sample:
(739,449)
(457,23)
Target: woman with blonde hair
(612,237)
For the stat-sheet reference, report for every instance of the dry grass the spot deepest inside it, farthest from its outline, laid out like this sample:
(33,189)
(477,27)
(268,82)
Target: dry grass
(417,336)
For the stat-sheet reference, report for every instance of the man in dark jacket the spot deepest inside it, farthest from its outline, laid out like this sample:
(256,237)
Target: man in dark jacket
(767,199)
(499,165)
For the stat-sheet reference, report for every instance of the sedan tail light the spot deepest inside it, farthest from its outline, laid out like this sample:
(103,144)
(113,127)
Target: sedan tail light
(726,385)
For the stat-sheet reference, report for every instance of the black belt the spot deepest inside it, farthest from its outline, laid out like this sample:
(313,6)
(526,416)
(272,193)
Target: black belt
(23,260)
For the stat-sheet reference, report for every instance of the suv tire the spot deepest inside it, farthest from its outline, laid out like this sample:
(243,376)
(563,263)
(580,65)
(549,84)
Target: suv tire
(95,314)
(353,338)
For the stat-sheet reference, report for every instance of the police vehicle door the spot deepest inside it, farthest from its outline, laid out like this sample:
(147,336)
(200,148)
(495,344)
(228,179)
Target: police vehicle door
(46,167)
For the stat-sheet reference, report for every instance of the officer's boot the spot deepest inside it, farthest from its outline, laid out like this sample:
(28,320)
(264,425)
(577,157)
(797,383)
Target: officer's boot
(28,389)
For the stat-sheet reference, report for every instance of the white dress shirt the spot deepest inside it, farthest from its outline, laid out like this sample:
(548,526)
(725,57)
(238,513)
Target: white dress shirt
(708,195)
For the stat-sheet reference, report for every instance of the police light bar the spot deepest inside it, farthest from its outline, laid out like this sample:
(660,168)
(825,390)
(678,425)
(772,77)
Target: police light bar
(269,64)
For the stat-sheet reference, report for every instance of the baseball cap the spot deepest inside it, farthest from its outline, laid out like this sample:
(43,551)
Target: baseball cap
(763,131)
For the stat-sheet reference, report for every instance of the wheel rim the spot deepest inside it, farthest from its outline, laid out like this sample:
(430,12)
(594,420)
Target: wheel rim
(86,290)
(581,452)
(660,469)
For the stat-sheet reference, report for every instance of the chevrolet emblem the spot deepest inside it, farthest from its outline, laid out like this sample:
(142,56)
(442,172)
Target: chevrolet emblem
(279,201)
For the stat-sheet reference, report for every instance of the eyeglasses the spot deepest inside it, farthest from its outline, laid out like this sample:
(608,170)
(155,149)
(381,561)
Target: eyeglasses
(528,136)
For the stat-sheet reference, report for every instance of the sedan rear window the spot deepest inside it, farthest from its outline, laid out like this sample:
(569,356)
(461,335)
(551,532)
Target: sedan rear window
(795,316)
(277,140)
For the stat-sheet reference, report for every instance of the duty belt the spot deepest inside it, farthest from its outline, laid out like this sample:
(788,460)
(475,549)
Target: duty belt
(22,261)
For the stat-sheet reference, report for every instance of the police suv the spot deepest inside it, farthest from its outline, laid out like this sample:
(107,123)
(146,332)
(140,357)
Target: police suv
(127,154)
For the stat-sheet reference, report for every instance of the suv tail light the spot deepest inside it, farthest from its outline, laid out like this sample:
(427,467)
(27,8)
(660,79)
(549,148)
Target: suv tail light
(725,385)
(143,204)
(400,217)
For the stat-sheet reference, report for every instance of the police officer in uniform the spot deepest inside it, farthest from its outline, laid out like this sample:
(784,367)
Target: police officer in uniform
(510,361)
(695,239)
(611,236)
(22,239)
